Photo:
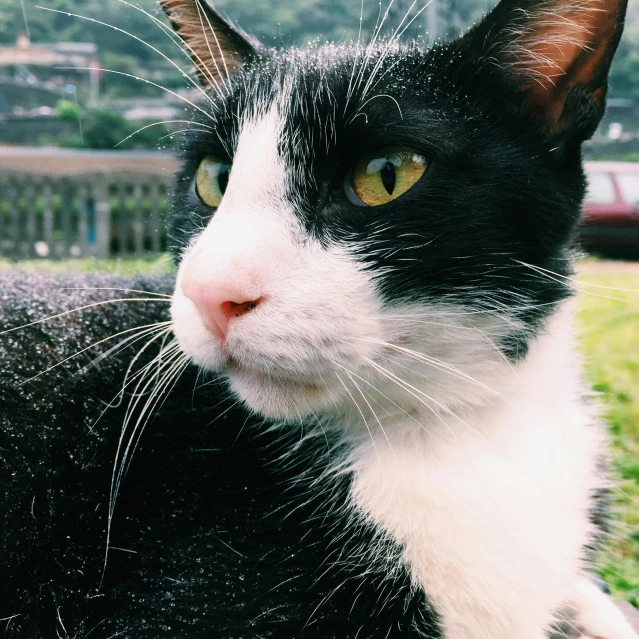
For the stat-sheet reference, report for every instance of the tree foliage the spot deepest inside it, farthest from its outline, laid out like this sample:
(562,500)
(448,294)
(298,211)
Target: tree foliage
(624,77)
(274,22)
(102,129)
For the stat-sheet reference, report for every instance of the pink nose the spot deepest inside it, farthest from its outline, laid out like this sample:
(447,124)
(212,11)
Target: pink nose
(217,304)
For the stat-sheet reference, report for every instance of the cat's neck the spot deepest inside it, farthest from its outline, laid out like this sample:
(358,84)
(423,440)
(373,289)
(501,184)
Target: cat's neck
(470,399)
(494,502)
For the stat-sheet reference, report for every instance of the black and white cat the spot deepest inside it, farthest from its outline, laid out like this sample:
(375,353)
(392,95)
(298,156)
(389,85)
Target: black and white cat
(373,246)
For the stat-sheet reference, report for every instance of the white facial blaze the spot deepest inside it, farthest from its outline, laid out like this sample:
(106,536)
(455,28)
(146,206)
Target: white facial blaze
(247,228)
(311,296)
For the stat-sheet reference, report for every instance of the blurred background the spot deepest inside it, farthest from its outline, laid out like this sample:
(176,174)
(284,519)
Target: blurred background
(89,113)
(57,69)
(86,135)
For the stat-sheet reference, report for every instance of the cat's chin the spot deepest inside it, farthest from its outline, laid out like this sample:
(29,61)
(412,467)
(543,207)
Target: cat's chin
(274,397)
(278,398)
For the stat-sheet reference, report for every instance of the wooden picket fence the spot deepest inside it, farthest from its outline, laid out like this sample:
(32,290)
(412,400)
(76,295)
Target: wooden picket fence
(106,213)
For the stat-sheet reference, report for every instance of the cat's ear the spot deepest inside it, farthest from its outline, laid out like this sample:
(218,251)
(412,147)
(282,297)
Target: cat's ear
(216,46)
(557,53)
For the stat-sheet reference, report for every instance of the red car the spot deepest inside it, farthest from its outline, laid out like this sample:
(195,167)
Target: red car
(611,208)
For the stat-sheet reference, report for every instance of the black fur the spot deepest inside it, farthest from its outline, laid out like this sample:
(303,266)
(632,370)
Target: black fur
(217,533)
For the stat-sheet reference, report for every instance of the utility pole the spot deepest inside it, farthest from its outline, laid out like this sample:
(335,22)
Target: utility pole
(95,74)
(399,9)
(398,15)
(432,20)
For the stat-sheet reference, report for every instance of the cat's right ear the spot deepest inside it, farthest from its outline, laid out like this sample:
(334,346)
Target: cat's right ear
(555,56)
(216,46)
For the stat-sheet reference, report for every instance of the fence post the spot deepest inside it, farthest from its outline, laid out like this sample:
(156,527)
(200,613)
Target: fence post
(48,217)
(154,215)
(18,221)
(85,204)
(138,215)
(12,221)
(102,218)
(66,215)
(30,230)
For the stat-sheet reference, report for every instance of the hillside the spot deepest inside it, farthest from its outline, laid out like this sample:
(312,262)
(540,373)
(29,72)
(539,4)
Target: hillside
(276,22)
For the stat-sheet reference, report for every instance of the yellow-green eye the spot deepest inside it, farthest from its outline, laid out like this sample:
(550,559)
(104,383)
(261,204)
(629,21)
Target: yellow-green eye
(384,175)
(211,180)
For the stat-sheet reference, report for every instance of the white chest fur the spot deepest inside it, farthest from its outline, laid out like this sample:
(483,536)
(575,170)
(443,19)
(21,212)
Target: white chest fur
(493,511)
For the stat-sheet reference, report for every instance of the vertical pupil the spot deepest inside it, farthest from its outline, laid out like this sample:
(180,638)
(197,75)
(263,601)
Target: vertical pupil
(223,178)
(388,176)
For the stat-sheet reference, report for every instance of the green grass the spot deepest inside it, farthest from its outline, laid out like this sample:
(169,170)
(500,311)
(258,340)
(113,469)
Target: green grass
(610,343)
(133,266)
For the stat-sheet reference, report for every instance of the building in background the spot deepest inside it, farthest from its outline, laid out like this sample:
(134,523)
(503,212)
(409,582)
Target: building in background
(30,72)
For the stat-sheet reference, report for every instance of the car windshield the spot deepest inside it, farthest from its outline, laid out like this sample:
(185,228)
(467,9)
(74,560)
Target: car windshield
(629,187)
(600,189)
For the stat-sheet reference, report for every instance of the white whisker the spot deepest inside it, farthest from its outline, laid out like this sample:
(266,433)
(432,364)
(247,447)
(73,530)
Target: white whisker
(128,378)
(110,288)
(371,409)
(204,127)
(576,284)
(438,364)
(159,86)
(359,409)
(81,308)
(386,397)
(142,332)
(167,371)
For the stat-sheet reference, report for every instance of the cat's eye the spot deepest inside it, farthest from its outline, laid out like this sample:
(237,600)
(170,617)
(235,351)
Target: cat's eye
(384,175)
(211,180)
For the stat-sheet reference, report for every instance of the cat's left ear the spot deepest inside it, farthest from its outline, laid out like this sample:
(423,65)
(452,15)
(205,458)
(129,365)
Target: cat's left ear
(557,53)
(216,46)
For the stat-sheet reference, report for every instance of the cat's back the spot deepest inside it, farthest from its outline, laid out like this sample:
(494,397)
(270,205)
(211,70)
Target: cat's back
(56,456)
(216,527)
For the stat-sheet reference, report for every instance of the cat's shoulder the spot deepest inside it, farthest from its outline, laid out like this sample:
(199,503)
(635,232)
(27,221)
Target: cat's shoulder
(46,318)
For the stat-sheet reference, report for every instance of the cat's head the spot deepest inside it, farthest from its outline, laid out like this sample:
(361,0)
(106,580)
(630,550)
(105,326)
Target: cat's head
(377,224)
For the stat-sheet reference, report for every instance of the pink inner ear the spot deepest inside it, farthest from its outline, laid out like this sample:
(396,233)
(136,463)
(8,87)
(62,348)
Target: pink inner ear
(564,49)
(214,45)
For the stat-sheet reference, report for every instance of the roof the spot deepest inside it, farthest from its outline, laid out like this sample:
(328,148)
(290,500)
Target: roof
(86,48)
(25,52)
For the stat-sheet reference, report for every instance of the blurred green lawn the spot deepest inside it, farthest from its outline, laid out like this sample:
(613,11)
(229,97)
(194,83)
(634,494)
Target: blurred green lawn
(609,320)
(140,265)
(609,323)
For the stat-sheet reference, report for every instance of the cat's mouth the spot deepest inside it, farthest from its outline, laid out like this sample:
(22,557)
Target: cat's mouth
(275,394)
(233,367)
